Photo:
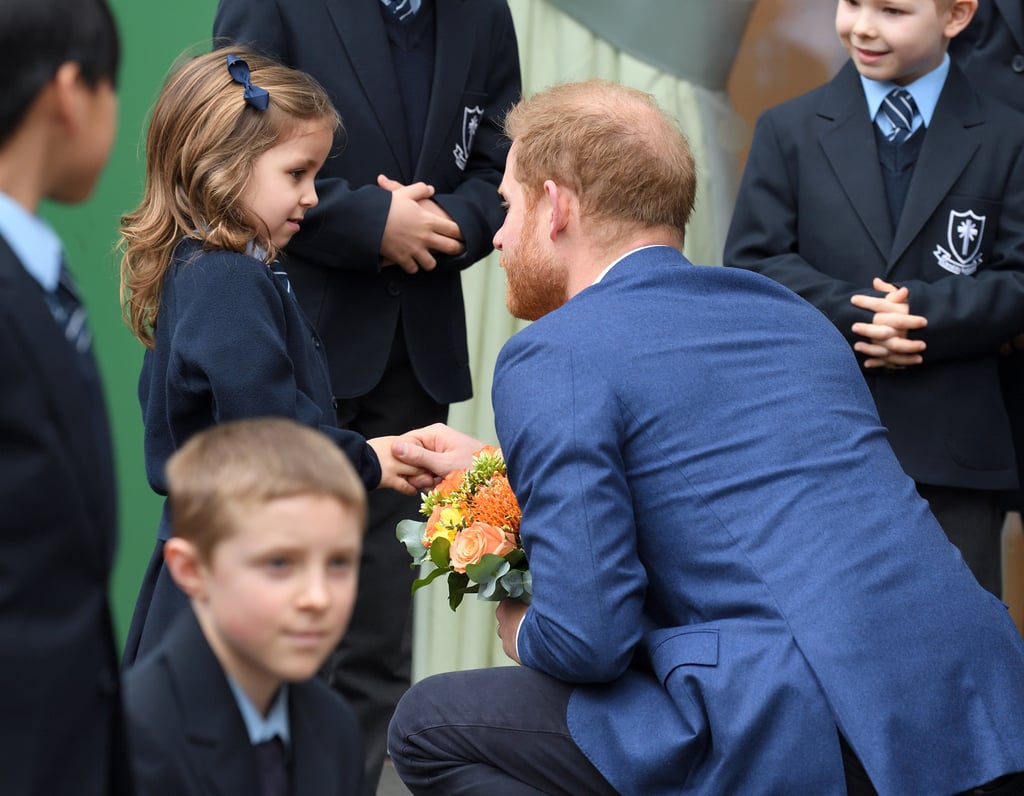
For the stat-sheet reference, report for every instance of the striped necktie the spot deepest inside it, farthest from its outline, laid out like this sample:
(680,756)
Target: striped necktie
(68,311)
(278,270)
(899,108)
(405,10)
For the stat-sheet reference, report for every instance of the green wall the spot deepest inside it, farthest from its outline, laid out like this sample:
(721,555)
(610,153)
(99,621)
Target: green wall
(153,35)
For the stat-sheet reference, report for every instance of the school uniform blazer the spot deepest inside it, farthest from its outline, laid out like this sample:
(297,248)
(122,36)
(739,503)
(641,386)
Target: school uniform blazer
(727,557)
(812,214)
(61,725)
(991,50)
(231,343)
(188,737)
(334,260)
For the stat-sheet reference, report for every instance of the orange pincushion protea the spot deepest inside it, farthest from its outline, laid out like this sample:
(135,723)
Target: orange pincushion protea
(495,504)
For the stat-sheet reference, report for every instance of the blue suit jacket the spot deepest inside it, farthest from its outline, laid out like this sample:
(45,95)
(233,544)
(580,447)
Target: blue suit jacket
(334,261)
(812,214)
(188,735)
(727,556)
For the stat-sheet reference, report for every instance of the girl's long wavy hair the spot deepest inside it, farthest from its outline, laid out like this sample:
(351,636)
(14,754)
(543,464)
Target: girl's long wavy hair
(201,149)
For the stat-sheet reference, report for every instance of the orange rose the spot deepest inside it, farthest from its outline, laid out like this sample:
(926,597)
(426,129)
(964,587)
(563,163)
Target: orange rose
(470,544)
(451,482)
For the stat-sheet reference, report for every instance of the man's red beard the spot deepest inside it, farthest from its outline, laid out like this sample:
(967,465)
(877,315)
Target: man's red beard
(536,281)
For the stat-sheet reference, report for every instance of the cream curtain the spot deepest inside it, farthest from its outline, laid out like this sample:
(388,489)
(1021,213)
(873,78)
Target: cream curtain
(555,47)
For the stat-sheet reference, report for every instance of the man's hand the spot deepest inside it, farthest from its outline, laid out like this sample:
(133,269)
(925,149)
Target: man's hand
(887,344)
(437,448)
(510,614)
(416,227)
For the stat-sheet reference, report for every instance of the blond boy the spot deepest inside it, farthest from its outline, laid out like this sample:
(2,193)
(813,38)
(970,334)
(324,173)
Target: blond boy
(268,519)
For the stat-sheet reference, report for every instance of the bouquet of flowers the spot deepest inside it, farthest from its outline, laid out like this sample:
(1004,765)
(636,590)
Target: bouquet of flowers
(471,534)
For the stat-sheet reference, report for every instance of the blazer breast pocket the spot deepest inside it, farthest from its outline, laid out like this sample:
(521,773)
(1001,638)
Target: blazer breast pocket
(961,235)
(470,115)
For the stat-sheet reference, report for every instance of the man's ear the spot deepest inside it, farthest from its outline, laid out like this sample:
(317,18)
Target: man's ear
(559,200)
(181,558)
(960,15)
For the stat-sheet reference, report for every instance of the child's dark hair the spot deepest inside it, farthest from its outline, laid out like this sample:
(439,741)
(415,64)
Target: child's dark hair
(38,36)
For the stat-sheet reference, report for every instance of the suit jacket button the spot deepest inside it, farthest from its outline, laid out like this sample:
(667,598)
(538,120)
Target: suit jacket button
(394,289)
(316,343)
(1017,64)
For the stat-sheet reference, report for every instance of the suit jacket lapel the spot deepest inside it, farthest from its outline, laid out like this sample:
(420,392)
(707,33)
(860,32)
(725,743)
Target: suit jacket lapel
(213,725)
(454,47)
(947,149)
(1013,13)
(849,144)
(362,33)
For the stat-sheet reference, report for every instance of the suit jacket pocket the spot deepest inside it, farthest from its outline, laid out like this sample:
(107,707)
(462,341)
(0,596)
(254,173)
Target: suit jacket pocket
(674,647)
(681,659)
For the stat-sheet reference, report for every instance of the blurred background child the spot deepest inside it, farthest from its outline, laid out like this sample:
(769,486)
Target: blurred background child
(268,520)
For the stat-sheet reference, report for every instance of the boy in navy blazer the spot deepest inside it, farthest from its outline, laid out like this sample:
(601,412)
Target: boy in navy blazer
(910,241)
(268,519)
(61,730)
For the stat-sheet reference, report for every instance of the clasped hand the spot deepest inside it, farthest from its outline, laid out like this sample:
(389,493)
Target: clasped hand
(886,344)
(416,227)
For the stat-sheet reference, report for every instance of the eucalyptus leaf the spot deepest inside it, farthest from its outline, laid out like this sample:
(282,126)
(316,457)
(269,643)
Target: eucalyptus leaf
(430,577)
(518,584)
(458,587)
(410,533)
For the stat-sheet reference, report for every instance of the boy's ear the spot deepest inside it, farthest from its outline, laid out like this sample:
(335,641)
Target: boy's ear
(181,558)
(960,14)
(67,87)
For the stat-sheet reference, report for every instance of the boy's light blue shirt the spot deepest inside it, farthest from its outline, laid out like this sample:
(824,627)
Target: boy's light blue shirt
(264,728)
(925,91)
(33,241)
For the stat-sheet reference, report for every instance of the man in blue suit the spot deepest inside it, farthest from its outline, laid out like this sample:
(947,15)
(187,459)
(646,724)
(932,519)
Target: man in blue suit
(736,587)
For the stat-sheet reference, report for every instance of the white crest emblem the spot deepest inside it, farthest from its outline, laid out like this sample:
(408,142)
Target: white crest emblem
(470,122)
(964,234)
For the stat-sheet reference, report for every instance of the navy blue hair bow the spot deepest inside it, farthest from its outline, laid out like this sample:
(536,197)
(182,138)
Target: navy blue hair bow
(254,95)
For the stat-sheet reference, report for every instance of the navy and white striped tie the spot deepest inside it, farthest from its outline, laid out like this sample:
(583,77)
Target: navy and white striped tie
(278,270)
(68,311)
(899,108)
(405,10)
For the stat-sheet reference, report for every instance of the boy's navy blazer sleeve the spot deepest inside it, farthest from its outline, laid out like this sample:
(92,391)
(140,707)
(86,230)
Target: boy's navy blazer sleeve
(812,213)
